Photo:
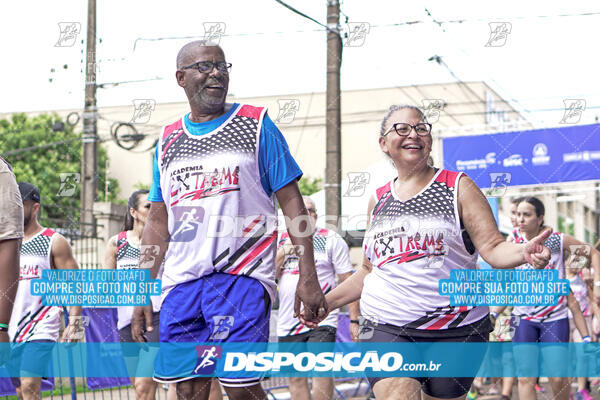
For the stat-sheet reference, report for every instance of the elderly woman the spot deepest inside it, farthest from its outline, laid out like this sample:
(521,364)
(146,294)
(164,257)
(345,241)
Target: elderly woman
(422,224)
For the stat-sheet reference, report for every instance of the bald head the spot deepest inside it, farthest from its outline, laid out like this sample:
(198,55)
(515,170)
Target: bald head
(189,52)
(308,203)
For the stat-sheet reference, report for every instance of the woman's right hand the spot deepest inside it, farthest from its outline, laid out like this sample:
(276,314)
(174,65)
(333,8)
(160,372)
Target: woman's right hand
(312,324)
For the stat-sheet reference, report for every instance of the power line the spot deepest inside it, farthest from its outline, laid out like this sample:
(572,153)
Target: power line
(302,14)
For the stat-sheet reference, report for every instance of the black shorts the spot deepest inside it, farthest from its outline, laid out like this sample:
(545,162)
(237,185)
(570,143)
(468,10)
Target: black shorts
(446,388)
(321,334)
(125,336)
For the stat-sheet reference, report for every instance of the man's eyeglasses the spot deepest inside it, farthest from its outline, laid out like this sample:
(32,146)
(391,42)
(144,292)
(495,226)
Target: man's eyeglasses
(311,210)
(403,129)
(207,66)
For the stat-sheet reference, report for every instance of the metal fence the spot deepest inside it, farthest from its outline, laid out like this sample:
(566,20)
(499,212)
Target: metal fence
(83,237)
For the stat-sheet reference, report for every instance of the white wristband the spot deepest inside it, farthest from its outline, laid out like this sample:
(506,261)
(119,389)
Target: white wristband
(586,339)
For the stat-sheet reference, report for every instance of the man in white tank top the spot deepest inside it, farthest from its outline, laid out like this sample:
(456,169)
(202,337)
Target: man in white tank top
(217,173)
(31,321)
(332,258)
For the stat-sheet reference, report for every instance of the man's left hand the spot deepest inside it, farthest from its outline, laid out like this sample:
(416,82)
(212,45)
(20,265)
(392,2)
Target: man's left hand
(73,332)
(311,297)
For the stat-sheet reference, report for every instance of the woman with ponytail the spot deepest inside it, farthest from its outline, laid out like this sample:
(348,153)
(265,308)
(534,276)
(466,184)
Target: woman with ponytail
(123,252)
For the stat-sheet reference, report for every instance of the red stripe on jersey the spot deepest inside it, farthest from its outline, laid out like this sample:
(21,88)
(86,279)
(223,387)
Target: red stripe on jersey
(282,239)
(259,249)
(403,257)
(323,232)
(547,310)
(447,318)
(48,232)
(447,177)
(169,144)
(383,190)
(297,331)
(441,322)
(173,127)
(250,111)
(122,237)
(249,228)
(31,323)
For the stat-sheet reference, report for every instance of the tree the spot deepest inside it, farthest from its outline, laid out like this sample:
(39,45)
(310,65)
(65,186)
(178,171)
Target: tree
(309,186)
(51,160)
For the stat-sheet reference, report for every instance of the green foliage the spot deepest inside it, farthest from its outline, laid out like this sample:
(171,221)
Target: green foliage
(45,158)
(141,186)
(309,186)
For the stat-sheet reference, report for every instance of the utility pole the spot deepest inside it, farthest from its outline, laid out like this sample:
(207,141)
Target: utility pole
(333,166)
(89,151)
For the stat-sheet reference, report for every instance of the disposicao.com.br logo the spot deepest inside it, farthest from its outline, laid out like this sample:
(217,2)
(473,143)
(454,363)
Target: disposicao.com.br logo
(323,362)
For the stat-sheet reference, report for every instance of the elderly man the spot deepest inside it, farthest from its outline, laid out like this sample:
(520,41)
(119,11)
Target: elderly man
(217,172)
(331,258)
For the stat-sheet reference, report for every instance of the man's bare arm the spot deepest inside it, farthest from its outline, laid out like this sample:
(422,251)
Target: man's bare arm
(308,291)
(62,258)
(10,251)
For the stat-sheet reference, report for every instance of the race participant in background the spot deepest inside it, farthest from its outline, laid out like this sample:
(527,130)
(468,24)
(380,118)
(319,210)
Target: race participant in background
(11,235)
(331,258)
(546,323)
(32,322)
(422,224)
(123,252)
(513,219)
(218,170)
(581,283)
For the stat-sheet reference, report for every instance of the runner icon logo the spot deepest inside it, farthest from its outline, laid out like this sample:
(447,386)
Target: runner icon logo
(499,182)
(498,34)
(142,110)
(287,110)
(68,33)
(213,31)
(573,110)
(207,359)
(357,183)
(432,109)
(357,34)
(187,221)
(148,253)
(68,184)
(222,325)
(367,324)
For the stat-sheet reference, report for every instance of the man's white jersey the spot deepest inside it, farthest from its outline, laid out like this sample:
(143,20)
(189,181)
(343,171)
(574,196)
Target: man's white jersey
(219,217)
(546,313)
(128,257)
(331,258)
(30,320)
(412,245)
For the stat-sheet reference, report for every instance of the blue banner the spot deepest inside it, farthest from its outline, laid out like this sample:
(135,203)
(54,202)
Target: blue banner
(570,153)
(245,360)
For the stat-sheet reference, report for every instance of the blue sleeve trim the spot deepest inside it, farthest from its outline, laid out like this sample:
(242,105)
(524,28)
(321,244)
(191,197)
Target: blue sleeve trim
(155,190)
(285,183)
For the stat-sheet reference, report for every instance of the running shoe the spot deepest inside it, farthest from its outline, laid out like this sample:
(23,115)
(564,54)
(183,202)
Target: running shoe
(472,395)
(539,389)
(583,395)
